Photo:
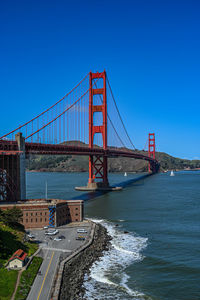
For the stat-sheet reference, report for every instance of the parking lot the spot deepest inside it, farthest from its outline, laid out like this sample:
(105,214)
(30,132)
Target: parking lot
(68,236)
(53,252)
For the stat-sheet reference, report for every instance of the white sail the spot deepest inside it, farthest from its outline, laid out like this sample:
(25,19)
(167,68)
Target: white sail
(125,174)
(172,173)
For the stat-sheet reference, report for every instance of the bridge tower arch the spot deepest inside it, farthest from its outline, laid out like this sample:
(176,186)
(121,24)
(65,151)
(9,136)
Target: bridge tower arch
(98,165)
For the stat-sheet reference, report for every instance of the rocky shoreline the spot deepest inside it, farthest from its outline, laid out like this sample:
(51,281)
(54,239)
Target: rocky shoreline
(77,267)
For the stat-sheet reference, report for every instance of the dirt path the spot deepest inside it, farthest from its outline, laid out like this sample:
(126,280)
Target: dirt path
(17,283)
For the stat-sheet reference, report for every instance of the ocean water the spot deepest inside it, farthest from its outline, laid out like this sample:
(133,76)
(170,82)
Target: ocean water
(159,257)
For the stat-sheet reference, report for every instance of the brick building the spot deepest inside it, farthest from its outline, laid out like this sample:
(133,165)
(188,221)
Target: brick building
(38,213)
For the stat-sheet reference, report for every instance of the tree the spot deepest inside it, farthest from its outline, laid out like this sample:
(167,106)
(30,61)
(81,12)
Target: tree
(1,215)
(11,217)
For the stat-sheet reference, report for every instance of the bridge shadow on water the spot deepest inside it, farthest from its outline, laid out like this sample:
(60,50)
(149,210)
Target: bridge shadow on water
(92,195)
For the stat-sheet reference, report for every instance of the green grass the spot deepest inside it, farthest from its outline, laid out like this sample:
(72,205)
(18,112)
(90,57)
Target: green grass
(27,279)
(31,248)
(7,283)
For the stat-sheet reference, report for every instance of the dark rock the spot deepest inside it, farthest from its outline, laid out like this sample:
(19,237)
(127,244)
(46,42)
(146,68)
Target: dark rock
(73,276)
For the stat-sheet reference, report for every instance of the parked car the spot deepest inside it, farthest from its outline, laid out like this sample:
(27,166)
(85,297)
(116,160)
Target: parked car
(51,232)
(80,238)
(57,239)
(31,236)
(45,227)
(81,230)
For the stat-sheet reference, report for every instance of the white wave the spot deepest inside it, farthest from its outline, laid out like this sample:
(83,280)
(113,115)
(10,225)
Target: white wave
(107,275)
(123,284)
(124,250)
(96,220)
(101,278)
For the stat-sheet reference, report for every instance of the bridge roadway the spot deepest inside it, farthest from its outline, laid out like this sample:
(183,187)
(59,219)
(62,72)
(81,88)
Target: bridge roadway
(54,251)
(59,149)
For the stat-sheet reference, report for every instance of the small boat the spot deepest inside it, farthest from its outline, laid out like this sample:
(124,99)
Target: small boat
(172,173)
(125,174)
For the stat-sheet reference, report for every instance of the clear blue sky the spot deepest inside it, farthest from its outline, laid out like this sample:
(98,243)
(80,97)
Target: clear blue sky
(150,50)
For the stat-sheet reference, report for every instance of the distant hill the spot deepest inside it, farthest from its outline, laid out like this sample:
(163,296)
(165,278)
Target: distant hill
(72,163)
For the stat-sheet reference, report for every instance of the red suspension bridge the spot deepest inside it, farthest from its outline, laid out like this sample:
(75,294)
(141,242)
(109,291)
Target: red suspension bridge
(89,115)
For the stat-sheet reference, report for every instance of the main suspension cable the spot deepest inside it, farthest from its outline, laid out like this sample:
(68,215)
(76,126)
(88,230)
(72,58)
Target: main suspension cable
(119,114)
(112,122)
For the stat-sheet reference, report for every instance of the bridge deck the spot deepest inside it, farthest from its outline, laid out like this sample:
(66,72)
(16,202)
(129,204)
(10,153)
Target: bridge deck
(10,147)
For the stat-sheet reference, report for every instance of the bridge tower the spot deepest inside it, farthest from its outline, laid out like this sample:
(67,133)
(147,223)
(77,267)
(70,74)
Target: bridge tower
(97,164)
(152,152)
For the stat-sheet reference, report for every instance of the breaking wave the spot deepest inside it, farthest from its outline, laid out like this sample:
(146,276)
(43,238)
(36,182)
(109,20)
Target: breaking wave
(107,278)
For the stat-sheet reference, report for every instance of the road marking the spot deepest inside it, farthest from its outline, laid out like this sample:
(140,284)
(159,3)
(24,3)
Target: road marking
(45,275)
(57,249)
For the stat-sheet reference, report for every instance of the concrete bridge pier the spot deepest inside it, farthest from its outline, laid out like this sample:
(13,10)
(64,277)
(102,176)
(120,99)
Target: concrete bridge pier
(9,178)
(22,165)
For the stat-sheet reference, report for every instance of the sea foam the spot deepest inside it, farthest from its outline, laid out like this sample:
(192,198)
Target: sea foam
(107,278)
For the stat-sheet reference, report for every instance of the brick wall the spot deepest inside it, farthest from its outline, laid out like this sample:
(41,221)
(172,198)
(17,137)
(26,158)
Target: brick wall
(36,214)
(75,211)
(35,217)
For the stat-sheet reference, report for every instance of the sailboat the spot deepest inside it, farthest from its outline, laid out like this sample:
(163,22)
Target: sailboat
(172,173)
(125,174)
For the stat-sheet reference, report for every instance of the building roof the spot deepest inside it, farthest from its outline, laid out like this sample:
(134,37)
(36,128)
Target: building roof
(19,254)
(29,203)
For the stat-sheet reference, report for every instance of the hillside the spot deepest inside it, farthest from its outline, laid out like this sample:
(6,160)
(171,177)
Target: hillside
(12,238)
(71,163)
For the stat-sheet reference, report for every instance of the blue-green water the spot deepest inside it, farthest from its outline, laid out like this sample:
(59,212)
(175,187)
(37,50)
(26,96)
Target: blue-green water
(159,257)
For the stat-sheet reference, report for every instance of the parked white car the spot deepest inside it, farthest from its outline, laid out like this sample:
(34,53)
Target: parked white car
(51,232)
(57,239)
(31,236)
(81,230)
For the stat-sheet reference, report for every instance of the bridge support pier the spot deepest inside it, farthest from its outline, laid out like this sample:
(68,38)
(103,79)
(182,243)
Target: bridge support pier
(12,172)
(98,168)
(9,178)
(22,165)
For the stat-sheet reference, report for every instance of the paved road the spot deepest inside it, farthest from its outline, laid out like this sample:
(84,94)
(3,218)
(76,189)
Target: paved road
(41,287)
(53,252)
